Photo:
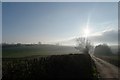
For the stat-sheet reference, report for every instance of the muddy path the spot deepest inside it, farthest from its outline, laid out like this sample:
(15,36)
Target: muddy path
(105,69)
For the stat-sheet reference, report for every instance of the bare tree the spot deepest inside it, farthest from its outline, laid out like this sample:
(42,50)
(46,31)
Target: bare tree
(83,45)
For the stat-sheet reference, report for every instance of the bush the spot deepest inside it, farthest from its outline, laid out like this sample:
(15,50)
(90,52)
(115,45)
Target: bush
(102,50)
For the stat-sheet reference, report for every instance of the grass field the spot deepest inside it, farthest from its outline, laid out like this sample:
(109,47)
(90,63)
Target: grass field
(32,50)
(35,62)
(38,62)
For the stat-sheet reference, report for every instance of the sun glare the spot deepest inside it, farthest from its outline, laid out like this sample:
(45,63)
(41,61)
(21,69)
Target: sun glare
(86,32)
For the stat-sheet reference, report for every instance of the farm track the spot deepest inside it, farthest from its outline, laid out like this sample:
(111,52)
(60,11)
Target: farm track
(106,70)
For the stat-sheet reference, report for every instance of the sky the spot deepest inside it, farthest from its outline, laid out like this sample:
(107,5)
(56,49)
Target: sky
(51,22)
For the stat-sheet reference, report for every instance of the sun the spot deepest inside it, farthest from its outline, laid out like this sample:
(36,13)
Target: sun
(86,32)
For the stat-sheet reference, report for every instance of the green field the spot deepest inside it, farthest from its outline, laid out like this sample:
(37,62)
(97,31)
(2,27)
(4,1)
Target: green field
(35,62)
(32,50)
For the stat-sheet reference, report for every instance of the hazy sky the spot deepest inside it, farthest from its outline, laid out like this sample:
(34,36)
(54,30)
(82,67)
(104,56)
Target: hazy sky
(51,22)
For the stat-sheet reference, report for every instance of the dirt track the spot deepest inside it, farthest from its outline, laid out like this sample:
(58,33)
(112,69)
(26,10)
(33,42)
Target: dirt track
(106,69)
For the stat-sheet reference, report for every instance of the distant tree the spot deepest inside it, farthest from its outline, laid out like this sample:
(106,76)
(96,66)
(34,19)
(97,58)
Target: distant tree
(83,45)
(4,43)
(39,43)
(19,44)
(102,49)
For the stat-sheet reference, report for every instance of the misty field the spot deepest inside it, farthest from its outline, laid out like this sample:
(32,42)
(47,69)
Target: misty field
(35,62)
(33,50)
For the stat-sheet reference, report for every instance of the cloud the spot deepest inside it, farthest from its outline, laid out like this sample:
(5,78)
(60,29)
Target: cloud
(109,36)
